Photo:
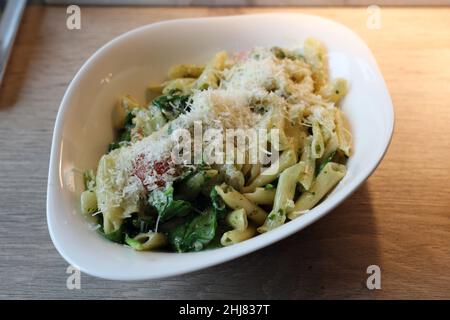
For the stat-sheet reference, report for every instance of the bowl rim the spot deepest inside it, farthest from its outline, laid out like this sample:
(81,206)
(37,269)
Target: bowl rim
(238,249)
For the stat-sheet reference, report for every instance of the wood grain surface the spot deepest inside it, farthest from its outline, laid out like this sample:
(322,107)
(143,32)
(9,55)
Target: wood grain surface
(399,219)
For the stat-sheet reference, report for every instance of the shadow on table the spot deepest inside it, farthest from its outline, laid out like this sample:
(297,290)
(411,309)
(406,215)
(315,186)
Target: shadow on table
(328,259)
(20,58)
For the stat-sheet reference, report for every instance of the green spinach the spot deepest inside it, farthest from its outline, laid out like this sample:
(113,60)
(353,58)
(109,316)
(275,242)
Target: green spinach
(218,204)
(172,105)
(124,134)
(324,162)
(167,208)
(195,234)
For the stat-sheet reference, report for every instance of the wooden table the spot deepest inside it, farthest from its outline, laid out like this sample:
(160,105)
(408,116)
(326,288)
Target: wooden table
(399,219)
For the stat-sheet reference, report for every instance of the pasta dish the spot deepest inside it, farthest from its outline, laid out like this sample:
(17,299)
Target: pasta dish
(222,152)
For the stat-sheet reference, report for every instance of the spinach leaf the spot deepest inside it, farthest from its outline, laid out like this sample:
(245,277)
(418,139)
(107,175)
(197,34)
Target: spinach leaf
(218,204)
(112,146)
(222,227)
(129,120)
(115,236)
(190,188)
(324,162)
(139,222)
(196,234)
(178,208)
(124,134)
(167,208)
(136,245)
(172,105)
(161,198)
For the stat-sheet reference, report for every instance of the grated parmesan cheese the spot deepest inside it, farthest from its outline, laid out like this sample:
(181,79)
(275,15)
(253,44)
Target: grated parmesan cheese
(259,77)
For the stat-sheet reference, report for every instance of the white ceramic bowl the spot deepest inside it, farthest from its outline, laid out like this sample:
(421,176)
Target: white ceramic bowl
(128,63)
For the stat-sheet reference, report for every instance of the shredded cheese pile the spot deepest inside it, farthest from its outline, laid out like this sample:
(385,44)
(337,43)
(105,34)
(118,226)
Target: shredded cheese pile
(260,76)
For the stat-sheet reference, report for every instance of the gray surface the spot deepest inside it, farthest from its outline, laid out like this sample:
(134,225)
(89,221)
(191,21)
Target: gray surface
(10,17)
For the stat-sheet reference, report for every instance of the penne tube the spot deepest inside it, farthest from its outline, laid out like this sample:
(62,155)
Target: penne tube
(246,168)
(183,85)
(331,147)
(286,187)
(317,144)
(210,75)
(88,202)
(273,220)
(236,200)
(146,241)
(335,90)
(237,219)
(286,159)
(236,236)
(283,197)
(154,88)
(343,135)
(261,196)
(112,219)
(255,171)
(185,71)
(327,179)
(307,176)
(315,55)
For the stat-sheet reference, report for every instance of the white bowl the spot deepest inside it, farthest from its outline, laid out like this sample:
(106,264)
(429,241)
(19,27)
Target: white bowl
(128,63)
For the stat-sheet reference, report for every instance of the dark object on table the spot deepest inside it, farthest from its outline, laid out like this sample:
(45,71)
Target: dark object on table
(10,15)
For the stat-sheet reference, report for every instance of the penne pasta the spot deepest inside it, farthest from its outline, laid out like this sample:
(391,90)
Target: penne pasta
(343,135)
(181,85)
(327,179)
(147,241)
(236,200)
(331,147)
(88,202)
(315,55)
(209,78)
(317,143)
(217,147)
(236,236)
(154,88)
(185,71)
(261,196)
(307,176)
(335,90)
(283,197)
(286,159)
(255,171)
(237,219)
(246,167)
